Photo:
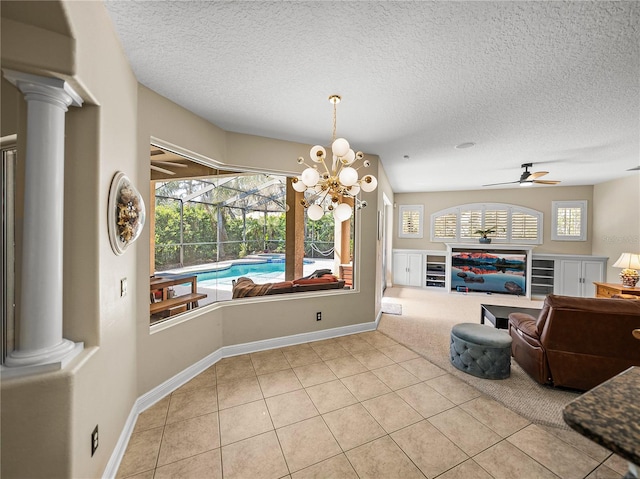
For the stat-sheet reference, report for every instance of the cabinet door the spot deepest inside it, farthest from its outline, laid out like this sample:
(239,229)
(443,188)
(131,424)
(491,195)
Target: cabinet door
(415,270)
(400,268)
(569,279)
(591,271)
(577,277)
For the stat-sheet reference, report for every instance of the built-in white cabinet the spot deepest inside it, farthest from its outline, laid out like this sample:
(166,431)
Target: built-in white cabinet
(436,265)
(407,268)
(567,275)
(575,277)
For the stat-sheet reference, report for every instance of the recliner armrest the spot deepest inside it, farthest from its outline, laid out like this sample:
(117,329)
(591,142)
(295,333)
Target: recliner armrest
(524,323)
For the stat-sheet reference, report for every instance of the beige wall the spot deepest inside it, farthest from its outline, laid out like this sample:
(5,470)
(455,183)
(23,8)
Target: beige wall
(616,219)
(537,198)
(163,354)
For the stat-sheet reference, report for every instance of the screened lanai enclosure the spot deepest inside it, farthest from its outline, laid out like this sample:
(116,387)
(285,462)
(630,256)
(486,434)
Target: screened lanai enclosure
(228,217)
(211,227)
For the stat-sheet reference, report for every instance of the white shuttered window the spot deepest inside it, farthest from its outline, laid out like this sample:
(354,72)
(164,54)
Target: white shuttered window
(411,221)
(569,221)
(512,223)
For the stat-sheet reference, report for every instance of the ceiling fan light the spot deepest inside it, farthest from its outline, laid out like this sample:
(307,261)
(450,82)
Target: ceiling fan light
(526,183)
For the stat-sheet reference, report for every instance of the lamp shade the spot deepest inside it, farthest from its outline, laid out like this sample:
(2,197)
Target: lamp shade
(628,261)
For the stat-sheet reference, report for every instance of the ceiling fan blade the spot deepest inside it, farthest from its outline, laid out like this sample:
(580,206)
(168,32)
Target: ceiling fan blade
(505,183)
(169,163)
(162,170)
(635,168)
(536,175)
(546,182)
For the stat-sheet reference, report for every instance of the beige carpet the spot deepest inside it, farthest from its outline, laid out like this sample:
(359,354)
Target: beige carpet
(425,325)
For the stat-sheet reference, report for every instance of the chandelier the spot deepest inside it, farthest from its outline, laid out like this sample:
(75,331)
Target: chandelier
(335,183)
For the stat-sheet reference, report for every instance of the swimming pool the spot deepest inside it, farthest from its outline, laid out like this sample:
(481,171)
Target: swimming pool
(270,270)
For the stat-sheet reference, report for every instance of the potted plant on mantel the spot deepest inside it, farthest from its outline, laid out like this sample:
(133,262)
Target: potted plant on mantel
(483,234)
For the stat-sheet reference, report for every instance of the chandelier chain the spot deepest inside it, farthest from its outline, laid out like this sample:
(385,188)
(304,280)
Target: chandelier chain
(335,106)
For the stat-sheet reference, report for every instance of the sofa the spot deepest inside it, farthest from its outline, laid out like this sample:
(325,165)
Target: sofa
(575,342)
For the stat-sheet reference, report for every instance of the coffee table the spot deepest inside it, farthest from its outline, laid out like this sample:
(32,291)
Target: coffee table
(499,315)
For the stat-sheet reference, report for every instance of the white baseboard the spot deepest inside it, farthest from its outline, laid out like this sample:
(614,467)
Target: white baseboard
(148,399)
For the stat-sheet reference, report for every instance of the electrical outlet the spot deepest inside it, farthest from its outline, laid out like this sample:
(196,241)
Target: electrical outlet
(318,316)
(94,441)
(123,287)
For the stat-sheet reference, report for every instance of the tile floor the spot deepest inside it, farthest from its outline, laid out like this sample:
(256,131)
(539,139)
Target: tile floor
(359,406)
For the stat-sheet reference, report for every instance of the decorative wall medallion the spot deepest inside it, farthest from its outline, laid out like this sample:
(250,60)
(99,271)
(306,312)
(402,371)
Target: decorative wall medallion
(126,213)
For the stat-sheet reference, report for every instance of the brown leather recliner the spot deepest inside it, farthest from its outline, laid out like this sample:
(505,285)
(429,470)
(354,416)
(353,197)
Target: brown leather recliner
(576,342)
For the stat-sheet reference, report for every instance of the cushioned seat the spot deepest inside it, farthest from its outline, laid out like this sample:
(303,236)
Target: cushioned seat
(481,351)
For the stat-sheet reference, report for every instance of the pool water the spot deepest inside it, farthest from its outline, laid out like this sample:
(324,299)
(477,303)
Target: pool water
(238,270)
(271,271)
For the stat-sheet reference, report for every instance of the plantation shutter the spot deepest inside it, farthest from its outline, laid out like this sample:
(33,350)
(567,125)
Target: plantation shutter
(470,221)
(569,221)
(444,226)
(524,226)
(497,219)
(410,225)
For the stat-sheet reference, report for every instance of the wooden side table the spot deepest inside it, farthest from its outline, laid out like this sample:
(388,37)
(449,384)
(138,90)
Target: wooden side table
(607,290)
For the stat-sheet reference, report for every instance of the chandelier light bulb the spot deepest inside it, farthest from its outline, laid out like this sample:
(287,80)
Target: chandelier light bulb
(348,176)
(340,147)
(310,177)
(317,153)
(354,190)
(315,212)
(299,186)
(368,183)
(349,158)
(342,212)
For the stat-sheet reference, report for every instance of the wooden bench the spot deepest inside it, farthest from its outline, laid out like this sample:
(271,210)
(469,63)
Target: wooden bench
(185,299)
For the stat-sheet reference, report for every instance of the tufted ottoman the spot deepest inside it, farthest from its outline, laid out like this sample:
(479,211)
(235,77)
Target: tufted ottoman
(480,350)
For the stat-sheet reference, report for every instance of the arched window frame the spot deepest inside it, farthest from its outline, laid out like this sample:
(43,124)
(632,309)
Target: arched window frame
(473,216)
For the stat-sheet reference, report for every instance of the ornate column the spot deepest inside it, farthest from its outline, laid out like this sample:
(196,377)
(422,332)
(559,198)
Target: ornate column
(40,341)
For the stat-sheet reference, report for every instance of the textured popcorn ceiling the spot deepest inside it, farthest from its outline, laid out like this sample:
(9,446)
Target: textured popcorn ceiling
(553,83)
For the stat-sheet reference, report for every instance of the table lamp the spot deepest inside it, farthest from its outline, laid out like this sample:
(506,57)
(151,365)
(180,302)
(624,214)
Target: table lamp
(630,262)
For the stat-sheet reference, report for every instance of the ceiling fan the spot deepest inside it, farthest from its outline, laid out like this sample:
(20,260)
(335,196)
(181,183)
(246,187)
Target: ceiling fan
(528,178)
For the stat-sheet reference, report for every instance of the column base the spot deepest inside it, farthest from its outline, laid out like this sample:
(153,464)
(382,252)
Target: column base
(20,363)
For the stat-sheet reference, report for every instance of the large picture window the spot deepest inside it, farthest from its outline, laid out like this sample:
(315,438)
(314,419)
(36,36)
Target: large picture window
(511,223)
(221,234)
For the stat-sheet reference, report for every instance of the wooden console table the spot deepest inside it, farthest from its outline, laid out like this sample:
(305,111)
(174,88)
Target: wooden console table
(607,290)
(162,283)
